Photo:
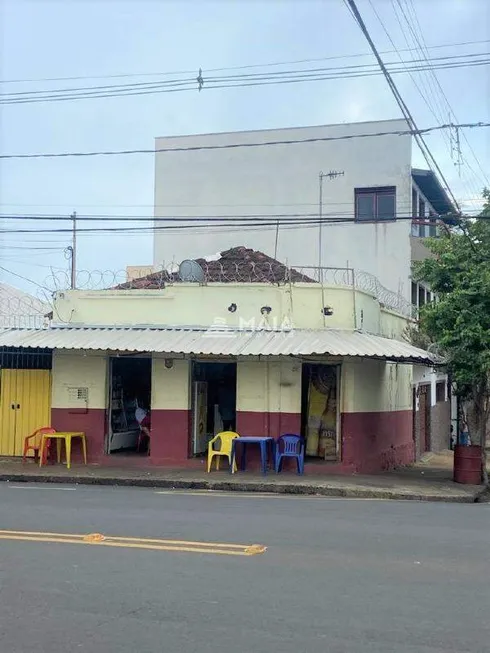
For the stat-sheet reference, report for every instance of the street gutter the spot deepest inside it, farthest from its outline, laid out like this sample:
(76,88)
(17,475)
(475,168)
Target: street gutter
(255,486)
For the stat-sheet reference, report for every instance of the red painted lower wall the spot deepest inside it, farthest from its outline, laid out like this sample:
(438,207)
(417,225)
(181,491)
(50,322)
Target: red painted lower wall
(170,439)
(92,423)
(374,442)
(271,424)
(170,436)
(371,442)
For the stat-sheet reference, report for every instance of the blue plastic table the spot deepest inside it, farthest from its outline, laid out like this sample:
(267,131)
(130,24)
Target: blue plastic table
(263,442)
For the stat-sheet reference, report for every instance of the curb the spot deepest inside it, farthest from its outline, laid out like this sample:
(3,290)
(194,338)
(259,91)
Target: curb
(483,496)
(248,487)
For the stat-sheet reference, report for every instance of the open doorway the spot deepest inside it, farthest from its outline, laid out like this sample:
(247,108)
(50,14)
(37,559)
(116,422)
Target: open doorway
(320,410)
(213,402)
(129,405)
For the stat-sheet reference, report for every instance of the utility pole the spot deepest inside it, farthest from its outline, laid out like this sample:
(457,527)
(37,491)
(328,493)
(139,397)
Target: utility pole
(333,174)
(74,251)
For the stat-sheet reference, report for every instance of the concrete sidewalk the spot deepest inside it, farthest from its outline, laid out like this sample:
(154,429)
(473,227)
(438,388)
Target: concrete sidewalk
(428,480)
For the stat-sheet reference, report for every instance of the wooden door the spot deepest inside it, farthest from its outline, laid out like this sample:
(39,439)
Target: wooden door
(25,405)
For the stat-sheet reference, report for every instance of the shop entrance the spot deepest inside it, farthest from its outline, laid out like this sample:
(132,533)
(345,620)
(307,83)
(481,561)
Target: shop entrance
(320,418)
(129,405)
(213,402)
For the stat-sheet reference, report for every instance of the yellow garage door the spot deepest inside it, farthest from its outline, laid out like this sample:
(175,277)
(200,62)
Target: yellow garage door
(25,405)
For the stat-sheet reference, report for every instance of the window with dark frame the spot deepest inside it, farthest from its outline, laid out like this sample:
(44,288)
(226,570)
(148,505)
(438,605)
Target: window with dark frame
(440,391)
(375,204)
(415,294)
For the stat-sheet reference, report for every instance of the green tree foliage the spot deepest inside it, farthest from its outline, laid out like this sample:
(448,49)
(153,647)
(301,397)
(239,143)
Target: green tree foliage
(459,321)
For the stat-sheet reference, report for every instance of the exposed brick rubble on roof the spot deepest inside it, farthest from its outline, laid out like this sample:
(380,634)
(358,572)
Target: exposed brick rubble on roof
(236,265)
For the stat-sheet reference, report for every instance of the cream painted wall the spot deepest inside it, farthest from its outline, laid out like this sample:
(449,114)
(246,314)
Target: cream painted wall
(284,179)
(392,325)
(285,386)
(375,386)
(79,370)
(269,386)
(368,314)
(170,387)
(251,386)
(191,304)
(262,385)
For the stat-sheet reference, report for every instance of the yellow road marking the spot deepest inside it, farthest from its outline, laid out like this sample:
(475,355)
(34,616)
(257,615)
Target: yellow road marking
(97,539)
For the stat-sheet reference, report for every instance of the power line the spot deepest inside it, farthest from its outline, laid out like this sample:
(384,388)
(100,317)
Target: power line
(430,98)
(29,248)
(242,67)
(226,146)
(230,228)
(401,103)
(106,217)
(20,276)
(107,87)
(214,206)
(485,177)
(412,21)
(262,75)
(237,81)
(425,98)
(270,220)
(425,55)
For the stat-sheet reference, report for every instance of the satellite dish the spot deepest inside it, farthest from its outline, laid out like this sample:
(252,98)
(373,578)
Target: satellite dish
(191,271)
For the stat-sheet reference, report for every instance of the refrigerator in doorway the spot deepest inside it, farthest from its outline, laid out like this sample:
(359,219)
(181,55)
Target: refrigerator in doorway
(199,417)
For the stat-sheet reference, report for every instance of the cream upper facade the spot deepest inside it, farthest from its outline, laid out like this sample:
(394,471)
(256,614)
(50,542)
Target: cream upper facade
(233,305)
(267,177)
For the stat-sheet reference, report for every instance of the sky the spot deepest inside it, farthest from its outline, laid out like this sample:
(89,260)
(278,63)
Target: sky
(94,40)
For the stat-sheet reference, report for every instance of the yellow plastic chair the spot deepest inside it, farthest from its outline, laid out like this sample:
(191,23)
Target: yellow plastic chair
(226,438)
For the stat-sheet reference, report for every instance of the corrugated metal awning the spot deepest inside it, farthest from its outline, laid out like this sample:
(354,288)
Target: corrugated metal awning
(218,342)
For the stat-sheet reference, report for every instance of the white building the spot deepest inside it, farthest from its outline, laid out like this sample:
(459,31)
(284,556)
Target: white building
(269,176)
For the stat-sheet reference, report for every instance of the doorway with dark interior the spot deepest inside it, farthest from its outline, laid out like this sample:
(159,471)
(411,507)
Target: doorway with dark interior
(424,418)
(213,402)
(129,405)
(320,419)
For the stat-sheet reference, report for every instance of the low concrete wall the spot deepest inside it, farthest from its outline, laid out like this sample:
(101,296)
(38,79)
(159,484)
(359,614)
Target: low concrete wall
(440,426)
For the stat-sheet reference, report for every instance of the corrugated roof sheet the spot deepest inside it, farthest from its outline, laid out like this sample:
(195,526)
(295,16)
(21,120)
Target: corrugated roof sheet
(219,342)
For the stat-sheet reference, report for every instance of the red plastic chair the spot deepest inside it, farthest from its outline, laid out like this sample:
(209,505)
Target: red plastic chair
(33,443)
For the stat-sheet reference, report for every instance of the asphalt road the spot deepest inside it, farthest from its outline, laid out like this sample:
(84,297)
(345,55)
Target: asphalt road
(338,576)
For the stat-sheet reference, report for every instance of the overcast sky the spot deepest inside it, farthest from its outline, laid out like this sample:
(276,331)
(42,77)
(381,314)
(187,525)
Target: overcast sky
(83,38)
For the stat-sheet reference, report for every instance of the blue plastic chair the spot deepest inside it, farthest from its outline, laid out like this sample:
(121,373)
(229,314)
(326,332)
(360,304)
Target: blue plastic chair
(290,445)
